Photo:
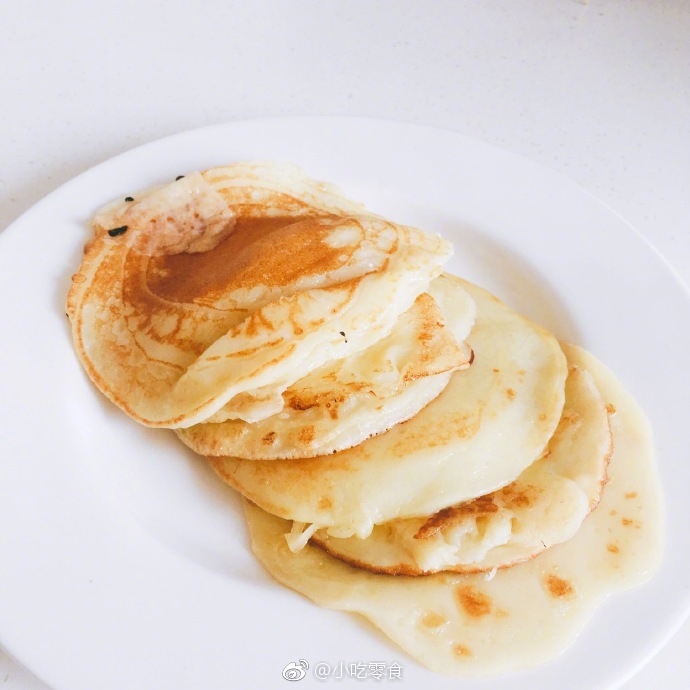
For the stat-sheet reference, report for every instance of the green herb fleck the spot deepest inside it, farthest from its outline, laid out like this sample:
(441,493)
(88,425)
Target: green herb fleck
(179,177)
(117,231)
(129,198)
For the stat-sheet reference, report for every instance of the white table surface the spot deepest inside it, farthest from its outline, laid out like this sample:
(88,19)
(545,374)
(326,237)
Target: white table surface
(598,90)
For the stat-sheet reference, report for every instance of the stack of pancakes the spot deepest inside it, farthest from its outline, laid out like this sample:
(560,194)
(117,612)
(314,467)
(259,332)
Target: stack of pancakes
(369,406)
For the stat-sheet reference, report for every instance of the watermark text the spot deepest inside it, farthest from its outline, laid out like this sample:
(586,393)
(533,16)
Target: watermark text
(378,671)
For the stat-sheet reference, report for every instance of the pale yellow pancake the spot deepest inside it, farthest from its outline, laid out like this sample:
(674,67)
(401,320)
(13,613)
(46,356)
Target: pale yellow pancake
(544,506)
(174,337)
(474,625)
(342,404)
(490,423)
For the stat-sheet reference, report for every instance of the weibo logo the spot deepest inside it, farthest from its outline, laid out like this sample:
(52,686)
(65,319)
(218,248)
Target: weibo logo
(296,670)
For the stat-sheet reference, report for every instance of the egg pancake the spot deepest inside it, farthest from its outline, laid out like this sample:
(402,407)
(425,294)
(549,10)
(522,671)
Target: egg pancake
(340,405)
(544,506)
(474,625)
(255,273)
(488,425)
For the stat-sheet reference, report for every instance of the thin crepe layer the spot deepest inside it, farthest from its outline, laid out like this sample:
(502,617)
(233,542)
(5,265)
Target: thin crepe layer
(172,338)
(348,401)
(469,625)
(490,423)
(544,506)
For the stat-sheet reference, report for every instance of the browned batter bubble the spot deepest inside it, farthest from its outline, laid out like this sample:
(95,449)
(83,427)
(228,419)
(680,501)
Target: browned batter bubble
(260,251)
(325,503)
(257,322)
(612,548)
(632,494)
(269,438)
(461,651)
(558,587)
(450,516)
(440,431)
(519,496)
(571,416)
(611,408)
(433,620)
(473,602)
(306,434)
(510,393)
(629,522)
(294,401)
(514,495)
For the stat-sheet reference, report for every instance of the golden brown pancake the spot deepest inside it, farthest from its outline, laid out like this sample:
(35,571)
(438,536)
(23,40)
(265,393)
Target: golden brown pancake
(471,625)
(172,338)
(544,506)
(263,309)
(489,424)
(350,400)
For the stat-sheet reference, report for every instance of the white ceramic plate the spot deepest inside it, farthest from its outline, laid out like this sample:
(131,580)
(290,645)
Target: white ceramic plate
(125,563)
